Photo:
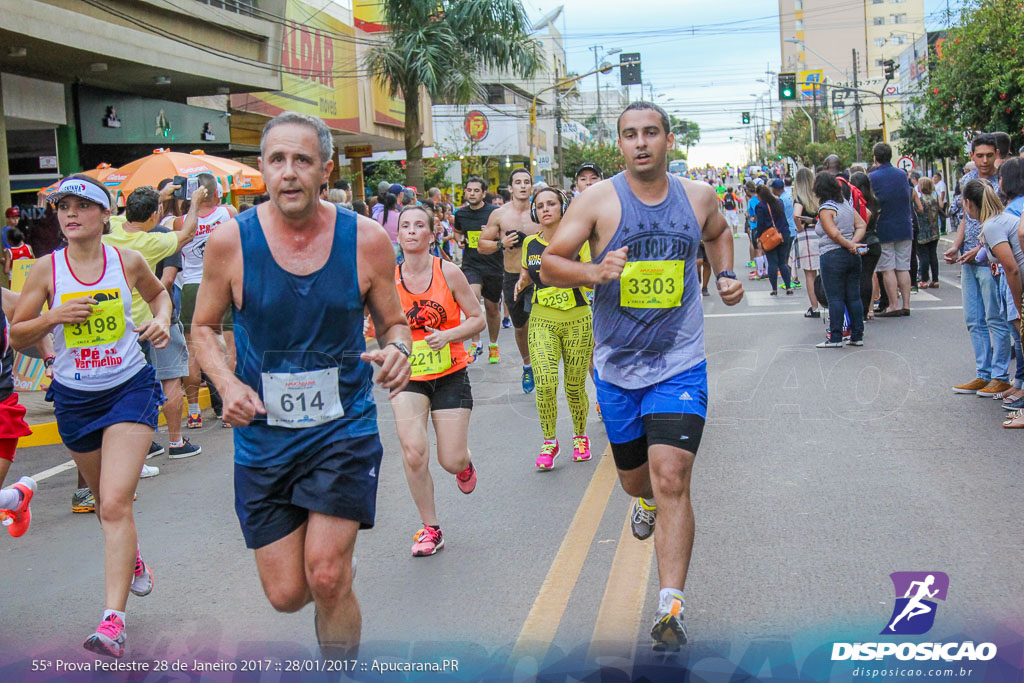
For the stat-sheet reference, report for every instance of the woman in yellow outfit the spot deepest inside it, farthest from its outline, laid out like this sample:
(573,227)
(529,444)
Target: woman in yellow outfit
(560,331)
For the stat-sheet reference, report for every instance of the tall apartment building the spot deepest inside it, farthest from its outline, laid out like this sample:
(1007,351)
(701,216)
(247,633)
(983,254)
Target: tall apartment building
(830,29)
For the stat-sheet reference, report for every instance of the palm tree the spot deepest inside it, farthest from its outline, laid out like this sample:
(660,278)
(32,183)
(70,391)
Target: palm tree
(441,46)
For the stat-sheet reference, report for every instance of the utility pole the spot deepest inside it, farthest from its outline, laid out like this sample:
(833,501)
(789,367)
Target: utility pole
(856,105)
(597,82)
(558,132)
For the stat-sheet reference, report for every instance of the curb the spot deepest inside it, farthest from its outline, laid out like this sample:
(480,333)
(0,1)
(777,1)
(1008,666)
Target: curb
(46,434)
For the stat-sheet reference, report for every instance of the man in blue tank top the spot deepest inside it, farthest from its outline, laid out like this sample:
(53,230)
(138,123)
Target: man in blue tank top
(644,227)
(307,454)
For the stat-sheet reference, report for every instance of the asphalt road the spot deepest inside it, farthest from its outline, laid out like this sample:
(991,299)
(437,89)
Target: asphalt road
(820,473)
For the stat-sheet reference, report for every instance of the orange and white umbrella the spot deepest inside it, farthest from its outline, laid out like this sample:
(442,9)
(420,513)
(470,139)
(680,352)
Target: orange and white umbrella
(163,163)
(101,173)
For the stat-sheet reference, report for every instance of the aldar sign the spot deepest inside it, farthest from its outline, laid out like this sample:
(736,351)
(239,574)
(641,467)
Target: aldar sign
(316,50)
(305,53)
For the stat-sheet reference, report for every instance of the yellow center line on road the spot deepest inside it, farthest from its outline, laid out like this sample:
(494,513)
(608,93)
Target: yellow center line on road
(546,614)
(618,620)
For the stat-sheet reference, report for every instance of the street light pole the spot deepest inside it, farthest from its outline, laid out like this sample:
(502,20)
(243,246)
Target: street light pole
(533,105)
(597,88)
(856,105)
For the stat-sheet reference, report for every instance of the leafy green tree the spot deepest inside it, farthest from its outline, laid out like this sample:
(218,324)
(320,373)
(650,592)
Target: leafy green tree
(440,46)
(976,79)
(607,156)
(927,141)
(687,132)
(794,139)
(390,171)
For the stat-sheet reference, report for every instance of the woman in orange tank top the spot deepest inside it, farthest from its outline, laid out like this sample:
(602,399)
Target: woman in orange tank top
(435,296)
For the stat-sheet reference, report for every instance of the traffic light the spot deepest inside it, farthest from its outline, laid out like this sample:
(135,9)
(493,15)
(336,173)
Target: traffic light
(746,117)
(629,68)
(890,69)
(787,86)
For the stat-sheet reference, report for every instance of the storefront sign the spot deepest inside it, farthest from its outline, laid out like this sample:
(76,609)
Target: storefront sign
(316,51)
(358,151)
(475,125)
(109,118)
(388,110)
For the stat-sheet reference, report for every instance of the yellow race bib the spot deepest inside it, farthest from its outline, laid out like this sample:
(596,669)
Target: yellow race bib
(472,238)
(105,325)
(651,284)
(556,297)
(425,361)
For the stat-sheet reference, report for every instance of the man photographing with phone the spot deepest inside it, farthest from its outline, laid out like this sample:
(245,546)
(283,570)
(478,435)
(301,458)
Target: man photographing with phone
(211,213)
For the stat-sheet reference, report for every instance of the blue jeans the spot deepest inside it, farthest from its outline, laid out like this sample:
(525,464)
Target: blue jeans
(840,276)
(778,260)
(987,326)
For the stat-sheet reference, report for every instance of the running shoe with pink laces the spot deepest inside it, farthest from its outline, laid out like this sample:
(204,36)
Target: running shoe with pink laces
(466,479)
(580,448)
(109,639)
(142,583)
(428,541)
(548,453)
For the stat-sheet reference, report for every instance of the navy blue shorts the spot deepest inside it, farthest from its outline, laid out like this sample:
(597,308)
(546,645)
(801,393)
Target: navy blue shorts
(340,481)
(83,415)
(671,412)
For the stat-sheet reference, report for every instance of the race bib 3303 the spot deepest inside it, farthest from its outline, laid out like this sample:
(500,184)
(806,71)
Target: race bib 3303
(652,284)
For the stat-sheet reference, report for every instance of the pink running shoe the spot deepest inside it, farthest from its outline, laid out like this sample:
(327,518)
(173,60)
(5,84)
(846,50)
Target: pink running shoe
(428,541)
(466,479)
(109,639)
(17,520)
(548,453)
(142,584)
(580,448)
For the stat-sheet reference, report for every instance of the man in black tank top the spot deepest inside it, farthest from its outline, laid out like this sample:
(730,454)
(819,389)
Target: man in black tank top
(654,429)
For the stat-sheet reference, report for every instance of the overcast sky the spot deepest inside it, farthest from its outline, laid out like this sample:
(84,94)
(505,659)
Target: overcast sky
(702,66)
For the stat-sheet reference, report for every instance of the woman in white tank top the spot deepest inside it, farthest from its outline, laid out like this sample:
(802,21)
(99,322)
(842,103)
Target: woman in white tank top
(105,395)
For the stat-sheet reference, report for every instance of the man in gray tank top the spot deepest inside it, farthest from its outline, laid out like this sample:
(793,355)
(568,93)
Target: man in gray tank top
(644,227)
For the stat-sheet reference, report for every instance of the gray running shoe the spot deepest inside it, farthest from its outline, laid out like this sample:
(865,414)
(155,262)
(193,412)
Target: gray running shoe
(669,632)
(641,519)
(83,501)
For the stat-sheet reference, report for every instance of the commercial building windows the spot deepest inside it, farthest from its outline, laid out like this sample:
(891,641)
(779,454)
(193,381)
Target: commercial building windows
(245,7)
(799,24)
(879,62)
(879,42)
(898,18)
(798,5)
(495,93)
(899,39)
(878,21)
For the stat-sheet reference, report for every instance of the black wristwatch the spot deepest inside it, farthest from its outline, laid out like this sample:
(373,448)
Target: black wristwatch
(726,273)
(400,346)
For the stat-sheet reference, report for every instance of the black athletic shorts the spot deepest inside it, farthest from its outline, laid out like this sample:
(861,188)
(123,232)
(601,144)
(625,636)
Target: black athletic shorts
(445,393)
(516,308)
(340,481)
(489,280)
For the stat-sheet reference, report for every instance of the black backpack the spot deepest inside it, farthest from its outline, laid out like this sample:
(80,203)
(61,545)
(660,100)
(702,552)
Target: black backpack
(729,203)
